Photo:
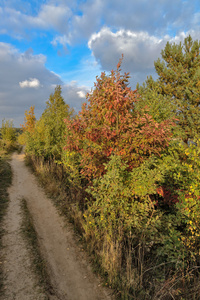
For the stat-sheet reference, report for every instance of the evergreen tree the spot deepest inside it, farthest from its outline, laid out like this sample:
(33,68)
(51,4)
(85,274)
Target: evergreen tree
(154,102)
(179,78)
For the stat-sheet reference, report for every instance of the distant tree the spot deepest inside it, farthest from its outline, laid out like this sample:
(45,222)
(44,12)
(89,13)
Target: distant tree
(8,132)
(29,120)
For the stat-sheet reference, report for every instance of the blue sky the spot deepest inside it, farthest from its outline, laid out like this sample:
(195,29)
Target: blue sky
(69,42)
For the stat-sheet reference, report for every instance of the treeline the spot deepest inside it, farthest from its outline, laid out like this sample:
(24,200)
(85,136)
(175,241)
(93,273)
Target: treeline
(129,164)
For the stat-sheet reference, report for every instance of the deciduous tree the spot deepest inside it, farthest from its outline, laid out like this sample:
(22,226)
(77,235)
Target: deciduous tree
(53,126)
(109,124)
(29,120)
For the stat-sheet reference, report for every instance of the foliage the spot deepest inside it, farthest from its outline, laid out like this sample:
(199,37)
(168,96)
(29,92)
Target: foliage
(52,121)
(8,136)
(29,120)
(132,238)
(154,102)
(7,131)
(109,124)
(46,136)
(28,128)
(179,79)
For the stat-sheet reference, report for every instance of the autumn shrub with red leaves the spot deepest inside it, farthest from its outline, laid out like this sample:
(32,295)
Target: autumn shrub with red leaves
(109,124)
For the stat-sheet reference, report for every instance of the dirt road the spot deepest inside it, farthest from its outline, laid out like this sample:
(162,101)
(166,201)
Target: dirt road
(69,270)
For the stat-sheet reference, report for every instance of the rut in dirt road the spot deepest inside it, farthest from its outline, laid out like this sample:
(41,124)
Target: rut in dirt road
(70,273)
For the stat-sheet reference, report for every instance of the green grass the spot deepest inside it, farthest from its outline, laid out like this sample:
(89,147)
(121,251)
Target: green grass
(5,182)
(37,261)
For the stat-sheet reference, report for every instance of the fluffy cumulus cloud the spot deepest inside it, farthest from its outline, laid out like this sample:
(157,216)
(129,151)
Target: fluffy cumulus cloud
(81,94)
(140,49)
(31,83)
(25,81)
(133,45)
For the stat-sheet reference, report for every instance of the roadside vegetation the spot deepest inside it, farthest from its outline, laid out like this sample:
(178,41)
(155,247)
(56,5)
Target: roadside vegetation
(126,171)
(7,144)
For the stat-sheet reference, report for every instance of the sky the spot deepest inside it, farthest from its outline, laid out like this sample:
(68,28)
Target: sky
(44,43)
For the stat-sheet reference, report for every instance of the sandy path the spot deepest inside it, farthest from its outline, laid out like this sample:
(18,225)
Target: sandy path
(70,273)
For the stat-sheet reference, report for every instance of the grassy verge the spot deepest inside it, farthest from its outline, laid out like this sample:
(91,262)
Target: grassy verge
(37,261)
(55,184)
(5,181)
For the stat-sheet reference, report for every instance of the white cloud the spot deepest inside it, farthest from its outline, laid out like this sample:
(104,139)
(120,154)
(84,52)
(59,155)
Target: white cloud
(132,44)
(140,49)
(52,16)
(81,94)
(31,83)
(63,40)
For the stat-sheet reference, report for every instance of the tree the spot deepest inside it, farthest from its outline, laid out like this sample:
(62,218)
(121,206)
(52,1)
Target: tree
(51,128)
(29,120)
(179,78)
(154,102)
(109,124)
(8,133)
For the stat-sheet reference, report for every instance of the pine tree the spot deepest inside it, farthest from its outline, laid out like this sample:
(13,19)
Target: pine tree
(179,78)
